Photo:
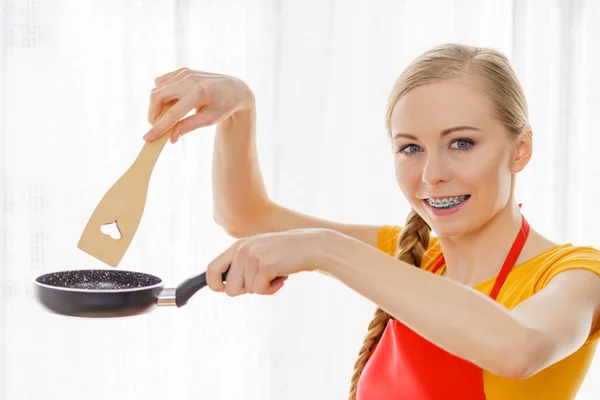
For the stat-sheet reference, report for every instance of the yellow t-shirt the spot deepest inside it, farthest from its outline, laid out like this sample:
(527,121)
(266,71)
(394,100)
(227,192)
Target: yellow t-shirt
(560,381)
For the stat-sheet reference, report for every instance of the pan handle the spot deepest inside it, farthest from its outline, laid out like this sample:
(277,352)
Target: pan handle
(190,286)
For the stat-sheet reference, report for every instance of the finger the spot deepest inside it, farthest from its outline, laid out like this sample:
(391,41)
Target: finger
(171,117)
(214,276)
(266,276)
(166,77)
(204,117)
(216,268)
(276,284)
(162,108)
(250,271)
(164,94)
(235,277)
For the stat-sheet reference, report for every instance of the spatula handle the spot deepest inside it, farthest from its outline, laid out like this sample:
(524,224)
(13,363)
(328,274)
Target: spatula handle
(146,160)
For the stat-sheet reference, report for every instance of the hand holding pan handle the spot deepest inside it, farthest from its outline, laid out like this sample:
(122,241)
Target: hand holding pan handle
(180,296)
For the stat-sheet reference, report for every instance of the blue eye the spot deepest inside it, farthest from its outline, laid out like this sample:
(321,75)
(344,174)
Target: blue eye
(410,149)
(462,144)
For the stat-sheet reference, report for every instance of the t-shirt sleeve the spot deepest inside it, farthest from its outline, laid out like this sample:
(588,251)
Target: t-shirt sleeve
(586,258)
(387,240)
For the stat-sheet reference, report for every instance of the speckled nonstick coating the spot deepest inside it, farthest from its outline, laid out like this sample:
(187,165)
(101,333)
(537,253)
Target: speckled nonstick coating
(99,279)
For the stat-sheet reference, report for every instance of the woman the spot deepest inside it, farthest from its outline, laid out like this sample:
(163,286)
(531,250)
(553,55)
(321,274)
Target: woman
(495,311)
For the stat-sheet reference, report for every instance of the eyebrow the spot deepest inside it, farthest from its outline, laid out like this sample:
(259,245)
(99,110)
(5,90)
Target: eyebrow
(442,134)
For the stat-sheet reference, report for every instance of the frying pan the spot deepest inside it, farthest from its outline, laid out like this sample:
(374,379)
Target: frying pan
(111,293)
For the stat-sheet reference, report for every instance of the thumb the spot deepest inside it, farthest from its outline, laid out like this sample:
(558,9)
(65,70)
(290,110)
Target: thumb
(201,119)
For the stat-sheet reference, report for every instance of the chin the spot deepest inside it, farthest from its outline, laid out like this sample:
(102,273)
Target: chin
(448,232)
(450,228)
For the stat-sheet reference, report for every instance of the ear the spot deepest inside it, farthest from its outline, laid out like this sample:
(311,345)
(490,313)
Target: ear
(522,151)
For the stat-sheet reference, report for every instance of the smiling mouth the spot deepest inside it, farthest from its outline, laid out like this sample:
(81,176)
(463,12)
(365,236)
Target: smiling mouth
(446,202)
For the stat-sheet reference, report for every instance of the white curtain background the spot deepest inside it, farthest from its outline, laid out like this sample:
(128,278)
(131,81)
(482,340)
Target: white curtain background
(75,78)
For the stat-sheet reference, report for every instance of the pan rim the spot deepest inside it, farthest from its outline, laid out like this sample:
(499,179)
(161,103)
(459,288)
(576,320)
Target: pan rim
(81,290)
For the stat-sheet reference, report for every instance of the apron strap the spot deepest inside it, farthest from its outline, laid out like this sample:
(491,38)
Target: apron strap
(510,261)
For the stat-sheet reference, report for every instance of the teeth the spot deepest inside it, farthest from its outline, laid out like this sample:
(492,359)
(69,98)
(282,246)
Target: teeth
(446,202)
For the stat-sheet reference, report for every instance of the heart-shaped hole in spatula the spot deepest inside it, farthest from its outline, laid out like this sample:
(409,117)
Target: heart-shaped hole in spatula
(111,229)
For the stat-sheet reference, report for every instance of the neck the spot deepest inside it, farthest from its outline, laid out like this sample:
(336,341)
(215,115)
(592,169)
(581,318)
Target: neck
(479,256)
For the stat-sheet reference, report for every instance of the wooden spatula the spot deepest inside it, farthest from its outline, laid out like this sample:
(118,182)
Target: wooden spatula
(122,206)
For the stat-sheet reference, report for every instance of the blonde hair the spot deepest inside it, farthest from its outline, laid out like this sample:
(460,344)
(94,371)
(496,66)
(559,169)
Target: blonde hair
(492,71)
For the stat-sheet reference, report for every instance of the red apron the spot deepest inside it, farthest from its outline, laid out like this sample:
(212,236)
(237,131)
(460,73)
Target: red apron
(404,365)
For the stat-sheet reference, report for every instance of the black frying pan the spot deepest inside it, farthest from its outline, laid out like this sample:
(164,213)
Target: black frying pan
(111,293)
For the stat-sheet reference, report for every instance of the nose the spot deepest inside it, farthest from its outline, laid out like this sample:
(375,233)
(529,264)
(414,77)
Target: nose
(435,170)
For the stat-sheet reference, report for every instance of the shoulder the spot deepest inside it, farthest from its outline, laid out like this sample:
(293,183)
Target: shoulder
(562,258)
(572,273)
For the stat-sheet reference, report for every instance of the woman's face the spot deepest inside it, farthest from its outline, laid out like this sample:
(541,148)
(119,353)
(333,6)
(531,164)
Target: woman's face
(453,159)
